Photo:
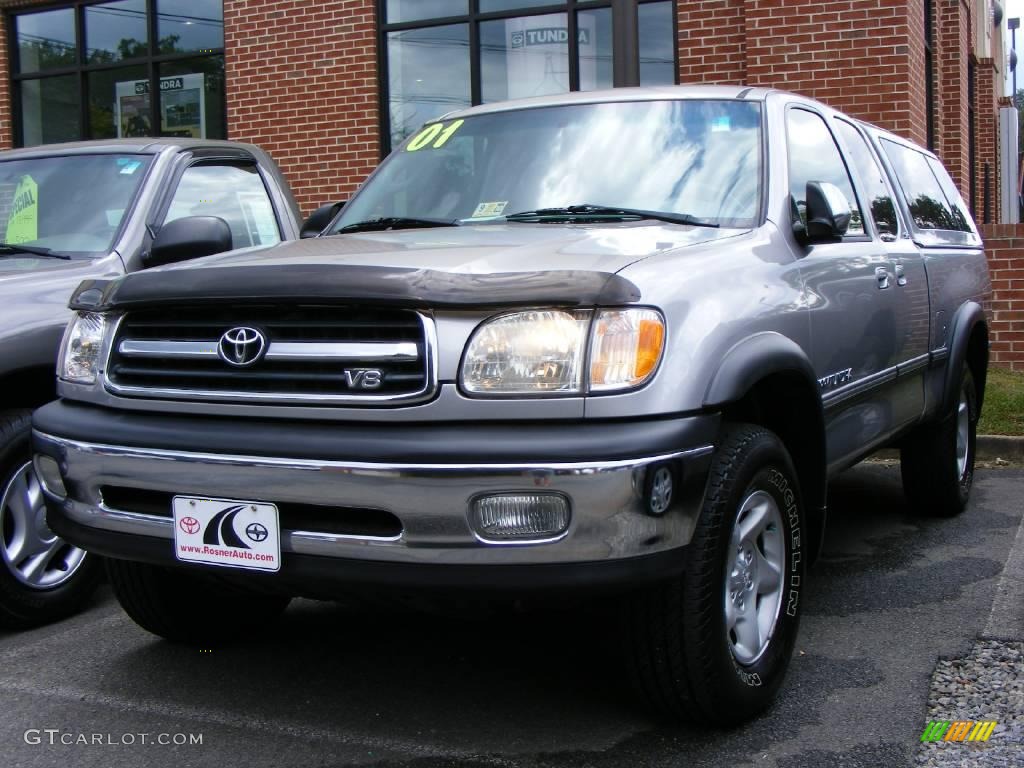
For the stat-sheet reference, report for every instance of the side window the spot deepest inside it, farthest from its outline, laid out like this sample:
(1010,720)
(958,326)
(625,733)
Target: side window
(233,192)
(881,205)
(928,204)
(814,156)
(961,217)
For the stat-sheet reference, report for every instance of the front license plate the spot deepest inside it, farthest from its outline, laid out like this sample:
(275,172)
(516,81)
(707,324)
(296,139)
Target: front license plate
(227,532)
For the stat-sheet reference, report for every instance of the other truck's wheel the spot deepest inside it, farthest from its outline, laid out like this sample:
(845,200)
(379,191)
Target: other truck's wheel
(937,460)
(713,646)
(186,608)
(42,577)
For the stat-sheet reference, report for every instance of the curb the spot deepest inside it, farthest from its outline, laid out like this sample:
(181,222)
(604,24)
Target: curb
(991,447)
(988,448)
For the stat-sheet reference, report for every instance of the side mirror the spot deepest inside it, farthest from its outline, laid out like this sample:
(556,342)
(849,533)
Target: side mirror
(189,238)
(828,214)
(319,219)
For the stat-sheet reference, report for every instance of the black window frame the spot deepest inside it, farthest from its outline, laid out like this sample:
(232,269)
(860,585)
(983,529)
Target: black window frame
(625,45)
(152,61)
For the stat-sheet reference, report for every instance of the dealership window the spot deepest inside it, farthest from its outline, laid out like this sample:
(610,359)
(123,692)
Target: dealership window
(441,55)
(89,70)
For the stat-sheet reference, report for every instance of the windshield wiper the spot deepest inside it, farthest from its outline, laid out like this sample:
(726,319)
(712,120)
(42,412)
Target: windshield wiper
(395,222)
(14,248)
(603,212)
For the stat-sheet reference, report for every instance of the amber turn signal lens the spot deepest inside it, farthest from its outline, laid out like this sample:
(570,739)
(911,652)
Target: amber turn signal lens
(626,348)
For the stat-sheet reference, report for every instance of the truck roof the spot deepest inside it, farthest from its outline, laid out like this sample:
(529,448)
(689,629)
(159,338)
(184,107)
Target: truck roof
(150,145)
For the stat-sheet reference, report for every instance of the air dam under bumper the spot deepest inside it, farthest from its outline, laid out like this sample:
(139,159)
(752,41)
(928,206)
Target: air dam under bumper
(610,538)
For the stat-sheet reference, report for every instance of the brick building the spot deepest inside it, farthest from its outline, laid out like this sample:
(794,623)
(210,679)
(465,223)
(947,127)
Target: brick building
(329,85)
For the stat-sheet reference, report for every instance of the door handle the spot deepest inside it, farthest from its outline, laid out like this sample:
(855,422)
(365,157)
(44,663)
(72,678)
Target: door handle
(901,278)
(882,276)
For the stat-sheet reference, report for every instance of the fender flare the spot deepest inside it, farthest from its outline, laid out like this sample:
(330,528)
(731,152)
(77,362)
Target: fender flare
(967,318)
(752,359)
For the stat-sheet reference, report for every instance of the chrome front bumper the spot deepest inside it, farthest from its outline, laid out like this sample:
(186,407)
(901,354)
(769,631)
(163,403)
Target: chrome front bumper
(432,501)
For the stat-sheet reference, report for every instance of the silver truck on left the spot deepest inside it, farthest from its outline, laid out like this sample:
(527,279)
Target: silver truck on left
(96,210)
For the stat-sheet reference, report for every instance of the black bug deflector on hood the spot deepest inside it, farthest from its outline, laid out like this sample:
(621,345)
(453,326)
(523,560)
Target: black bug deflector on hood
(348,283)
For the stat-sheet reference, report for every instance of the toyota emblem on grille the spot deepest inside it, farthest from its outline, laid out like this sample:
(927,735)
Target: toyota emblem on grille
(242,346)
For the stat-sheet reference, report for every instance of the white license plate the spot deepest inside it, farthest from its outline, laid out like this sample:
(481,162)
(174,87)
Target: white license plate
(227,532)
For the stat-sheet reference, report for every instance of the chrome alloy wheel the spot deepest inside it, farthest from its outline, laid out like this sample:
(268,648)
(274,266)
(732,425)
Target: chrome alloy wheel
(963,441)
(32,553)
(754,577)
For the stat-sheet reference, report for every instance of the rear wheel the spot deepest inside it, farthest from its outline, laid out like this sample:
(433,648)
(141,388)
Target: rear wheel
(42,577)
(713,645)
(186,608)
(937,460)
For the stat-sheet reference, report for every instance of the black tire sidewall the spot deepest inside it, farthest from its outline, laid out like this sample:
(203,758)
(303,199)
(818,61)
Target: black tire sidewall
(765,466)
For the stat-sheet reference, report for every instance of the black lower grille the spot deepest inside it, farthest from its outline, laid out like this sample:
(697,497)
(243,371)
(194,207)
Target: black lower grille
(299,353)
(341,521)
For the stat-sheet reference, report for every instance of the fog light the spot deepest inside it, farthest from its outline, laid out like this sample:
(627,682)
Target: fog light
(520,516)
(48,471)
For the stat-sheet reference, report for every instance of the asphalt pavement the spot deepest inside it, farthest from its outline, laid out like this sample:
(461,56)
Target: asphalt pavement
(340,685)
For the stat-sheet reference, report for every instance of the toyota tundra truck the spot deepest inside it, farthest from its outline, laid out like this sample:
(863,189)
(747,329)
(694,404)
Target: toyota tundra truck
(613,341)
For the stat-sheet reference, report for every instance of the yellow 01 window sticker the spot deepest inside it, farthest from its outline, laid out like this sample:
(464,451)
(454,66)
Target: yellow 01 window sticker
(434,136)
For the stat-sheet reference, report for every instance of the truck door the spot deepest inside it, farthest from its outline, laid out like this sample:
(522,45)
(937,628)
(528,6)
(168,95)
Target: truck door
(857,319)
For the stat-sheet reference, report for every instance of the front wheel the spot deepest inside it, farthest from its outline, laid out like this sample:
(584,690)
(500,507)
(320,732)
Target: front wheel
(713,646)
(42,577)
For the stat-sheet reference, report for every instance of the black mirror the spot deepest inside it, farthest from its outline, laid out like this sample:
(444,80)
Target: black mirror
(828,214)
(319,219)
(189,238)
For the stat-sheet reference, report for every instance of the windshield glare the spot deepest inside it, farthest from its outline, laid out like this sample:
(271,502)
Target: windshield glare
(701,158)
(71,204)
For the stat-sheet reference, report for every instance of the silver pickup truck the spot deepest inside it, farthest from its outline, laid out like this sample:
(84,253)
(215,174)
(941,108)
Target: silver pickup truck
(602,341)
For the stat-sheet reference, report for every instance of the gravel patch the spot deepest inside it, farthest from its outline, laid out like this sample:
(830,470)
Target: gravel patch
(987,684)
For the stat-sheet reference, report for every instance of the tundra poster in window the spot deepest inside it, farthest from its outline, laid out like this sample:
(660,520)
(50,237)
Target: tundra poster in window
(182,107)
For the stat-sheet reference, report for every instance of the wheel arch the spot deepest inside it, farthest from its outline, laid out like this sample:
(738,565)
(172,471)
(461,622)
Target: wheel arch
(766,379)
(969,345)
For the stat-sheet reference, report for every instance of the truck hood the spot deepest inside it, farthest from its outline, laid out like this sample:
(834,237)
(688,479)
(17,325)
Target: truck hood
(481,265)
(34,291)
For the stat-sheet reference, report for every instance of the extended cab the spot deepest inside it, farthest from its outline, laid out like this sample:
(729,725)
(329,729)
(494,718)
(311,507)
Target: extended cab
(612,340)
(98,210)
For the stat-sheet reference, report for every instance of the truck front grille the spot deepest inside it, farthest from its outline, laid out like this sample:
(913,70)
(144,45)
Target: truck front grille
(286,354)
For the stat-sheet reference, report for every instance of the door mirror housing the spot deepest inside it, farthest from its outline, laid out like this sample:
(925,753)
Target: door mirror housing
(189,238)
(828,214)
(319,219)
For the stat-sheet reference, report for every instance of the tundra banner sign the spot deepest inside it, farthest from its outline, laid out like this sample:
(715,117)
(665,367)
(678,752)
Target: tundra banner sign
(182,107)
(538,54)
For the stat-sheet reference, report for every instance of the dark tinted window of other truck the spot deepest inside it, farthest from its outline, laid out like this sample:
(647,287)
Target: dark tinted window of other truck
(880,202)
(928,204)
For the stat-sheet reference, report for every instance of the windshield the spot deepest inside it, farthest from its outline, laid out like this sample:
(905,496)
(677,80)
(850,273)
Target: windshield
(69,204)
(698,158)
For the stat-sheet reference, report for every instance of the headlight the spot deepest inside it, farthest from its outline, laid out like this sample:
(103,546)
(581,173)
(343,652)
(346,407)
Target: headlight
(539,351)
(82,344)
(625,348)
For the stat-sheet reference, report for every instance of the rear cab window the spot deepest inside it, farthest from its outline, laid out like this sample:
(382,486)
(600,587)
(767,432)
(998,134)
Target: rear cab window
(937,211)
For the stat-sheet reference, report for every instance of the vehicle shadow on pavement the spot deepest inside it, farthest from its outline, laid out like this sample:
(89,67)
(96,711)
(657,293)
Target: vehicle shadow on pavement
(464,686)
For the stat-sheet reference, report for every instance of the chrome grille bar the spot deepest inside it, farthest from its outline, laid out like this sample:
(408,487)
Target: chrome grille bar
(278,350)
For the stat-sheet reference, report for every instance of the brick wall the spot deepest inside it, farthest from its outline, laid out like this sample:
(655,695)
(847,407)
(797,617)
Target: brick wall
(1004,246)
(988,86)
(302,83)
(864,57)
